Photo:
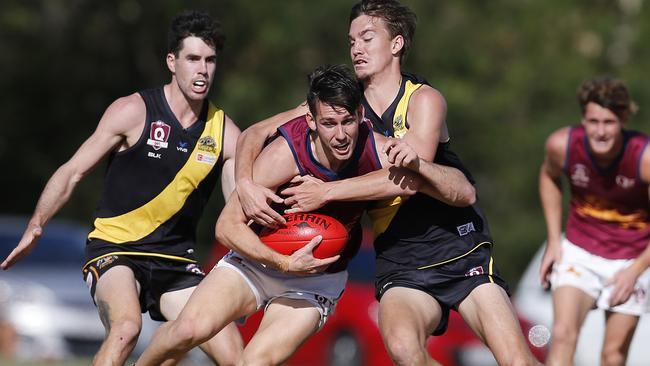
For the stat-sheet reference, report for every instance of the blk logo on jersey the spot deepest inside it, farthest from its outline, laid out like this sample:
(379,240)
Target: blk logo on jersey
(158,135)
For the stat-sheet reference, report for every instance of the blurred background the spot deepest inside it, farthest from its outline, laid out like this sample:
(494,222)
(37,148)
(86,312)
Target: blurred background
(509,70)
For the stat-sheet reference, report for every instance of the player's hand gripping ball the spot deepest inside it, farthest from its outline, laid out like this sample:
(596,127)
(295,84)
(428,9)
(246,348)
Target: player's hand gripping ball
(301,228)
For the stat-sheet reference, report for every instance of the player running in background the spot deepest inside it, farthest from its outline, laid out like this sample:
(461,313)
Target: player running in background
(298,291)
(141,250)
(601,260)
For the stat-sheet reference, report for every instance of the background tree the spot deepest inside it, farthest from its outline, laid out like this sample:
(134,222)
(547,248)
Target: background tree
(509,70)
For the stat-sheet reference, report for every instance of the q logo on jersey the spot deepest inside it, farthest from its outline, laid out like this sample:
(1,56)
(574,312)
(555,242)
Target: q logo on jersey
(158,135)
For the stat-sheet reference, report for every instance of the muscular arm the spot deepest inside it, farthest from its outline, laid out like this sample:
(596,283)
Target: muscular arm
(231,134)
(273,167)
(405,174)
(120,126)
(550,192)
(426,116)
(254,198)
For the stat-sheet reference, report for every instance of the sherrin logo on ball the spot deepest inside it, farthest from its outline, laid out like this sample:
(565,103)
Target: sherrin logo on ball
(301,228)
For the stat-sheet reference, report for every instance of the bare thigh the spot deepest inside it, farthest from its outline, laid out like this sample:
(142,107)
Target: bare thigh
(490,314)
(224,348)
(117,297)
(286,324)
(407,312)
(221,297)
(570,307)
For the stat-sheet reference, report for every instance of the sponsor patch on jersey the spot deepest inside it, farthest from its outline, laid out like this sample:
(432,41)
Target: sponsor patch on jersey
(573,270)
(154,155)
(194,268)
(158,135)
(465,228)
(207,144)
(103,262)
(182,146)
(476,271)
(579,175)
(624,182)
(206,158)
(399,123)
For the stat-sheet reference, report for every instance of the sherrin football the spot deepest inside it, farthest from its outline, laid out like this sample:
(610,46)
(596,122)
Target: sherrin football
(301,228)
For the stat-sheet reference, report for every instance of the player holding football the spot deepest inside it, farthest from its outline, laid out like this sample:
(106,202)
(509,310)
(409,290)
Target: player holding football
(432,255)
(331,143)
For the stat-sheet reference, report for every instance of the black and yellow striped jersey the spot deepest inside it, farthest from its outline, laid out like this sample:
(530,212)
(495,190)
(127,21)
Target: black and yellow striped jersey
(421,231)
(155,191)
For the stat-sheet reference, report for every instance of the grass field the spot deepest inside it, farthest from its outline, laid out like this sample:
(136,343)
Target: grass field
(76,362)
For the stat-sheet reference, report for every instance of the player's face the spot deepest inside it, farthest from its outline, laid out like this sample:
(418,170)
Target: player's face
(603,129)
(194,67)
(371,47)
(337,132)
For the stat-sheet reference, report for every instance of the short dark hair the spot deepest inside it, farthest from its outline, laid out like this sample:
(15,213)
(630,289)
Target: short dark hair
(336,86)
(400,19)
(194,23)
(609,93)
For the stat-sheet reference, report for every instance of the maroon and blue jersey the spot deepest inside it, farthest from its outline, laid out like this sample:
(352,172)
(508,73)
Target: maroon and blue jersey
(364,160)
(608,213)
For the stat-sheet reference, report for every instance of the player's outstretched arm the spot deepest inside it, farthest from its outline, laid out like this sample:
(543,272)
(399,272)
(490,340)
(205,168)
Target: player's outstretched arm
(253,197)
(550,192)
(120,120)
(273,167)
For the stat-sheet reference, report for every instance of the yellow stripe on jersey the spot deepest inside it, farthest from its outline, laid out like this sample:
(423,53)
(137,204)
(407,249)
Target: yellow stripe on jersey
(490,273)
(382,213)
(399,118)
(142,221)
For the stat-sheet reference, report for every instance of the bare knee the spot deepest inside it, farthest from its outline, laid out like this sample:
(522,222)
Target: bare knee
(124,333)
(613,356)
(564,335)
(404,349)
(189,333)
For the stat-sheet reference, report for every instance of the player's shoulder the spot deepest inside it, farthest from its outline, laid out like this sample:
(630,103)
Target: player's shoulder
(427,96)
(559,138)
(556,145)
(129,107)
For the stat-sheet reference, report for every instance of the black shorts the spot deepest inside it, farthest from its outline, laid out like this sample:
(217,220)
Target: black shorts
(448,283)
(155,275)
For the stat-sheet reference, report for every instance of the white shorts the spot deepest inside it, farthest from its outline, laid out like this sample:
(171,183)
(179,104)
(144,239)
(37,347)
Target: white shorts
(589,273)
(323,290)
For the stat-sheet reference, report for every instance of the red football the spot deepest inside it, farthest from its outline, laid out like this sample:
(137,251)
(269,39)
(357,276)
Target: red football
(301,228)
